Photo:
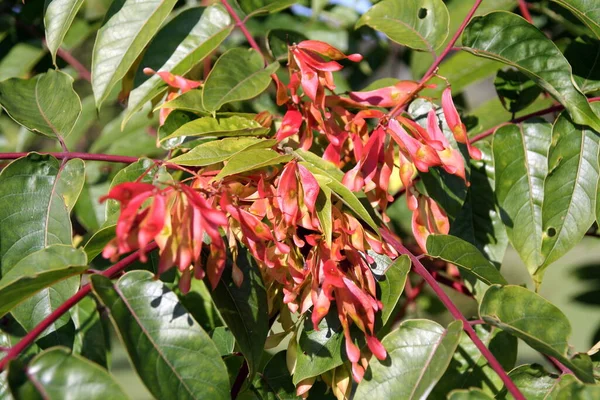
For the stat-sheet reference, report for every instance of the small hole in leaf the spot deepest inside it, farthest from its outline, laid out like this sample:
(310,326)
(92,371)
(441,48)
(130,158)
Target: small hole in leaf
(551,232)
(422,13)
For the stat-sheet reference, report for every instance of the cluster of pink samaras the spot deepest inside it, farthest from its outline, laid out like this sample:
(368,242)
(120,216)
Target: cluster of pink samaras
(272,212)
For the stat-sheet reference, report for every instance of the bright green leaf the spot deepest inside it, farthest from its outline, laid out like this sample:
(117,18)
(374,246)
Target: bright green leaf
(39,270)
(32,103)
(222,127)
(185,41)
(252,159)
(244,309)
(508,38)
(520,185)
(419,352)
(464,255)
(70,182)
(223,339)
(570,188)
(19,61)
(239,74)
(58,17)
(96,243)
(172,354)
(128,27)
(189,101)
(392,285)
(418,24)
(323,208)
(536,321)
(58,374)
(220,150)
(586,10)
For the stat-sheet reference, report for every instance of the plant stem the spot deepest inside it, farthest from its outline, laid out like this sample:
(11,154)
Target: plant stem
(557,107)
(422,271)
(436,63)
(525,11)
(69,155)
(73,62)
(66,306)
(560,366)
(240,24)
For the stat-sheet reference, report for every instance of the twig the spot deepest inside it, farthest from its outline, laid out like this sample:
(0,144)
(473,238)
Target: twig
(240,24)
(422,271)
(66,306)
(73,62)
(557,107)
(239,380)
(477,322)
(69,155)
(560,366)
(525,11)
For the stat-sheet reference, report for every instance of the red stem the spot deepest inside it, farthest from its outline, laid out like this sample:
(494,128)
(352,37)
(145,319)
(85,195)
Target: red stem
(557,107)
(69,155)
(66,306)
(560,366)
(422,271)
(240,24)
(525,11)
(73,62)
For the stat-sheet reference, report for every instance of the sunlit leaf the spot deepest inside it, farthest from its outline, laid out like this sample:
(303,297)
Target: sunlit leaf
(58,17)
(222,127)
(220,150)
(251,159)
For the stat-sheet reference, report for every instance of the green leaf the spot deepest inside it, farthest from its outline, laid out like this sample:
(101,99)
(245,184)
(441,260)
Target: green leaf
(37,271)
(469,368)
(128,27)
(323,208)
(58,17)
(185,41)
(20,60)
(515,89)
(96,243)
(536,321)
(464,255)
(419,352)
(256,7)
(189,101)
(275,381)
(418,24)
(471,394)
(91,336)
(223,339)
(70,182)
(58,374)
(534,382)
(586,10)
(172,354)
(33,207)
(220,150)
(244,309)
(319,350)
(392,285)
(32,103)
(278,41)
(222,127)
(251,159)
(584,56)
(508,38)
(479,221)
(448,190)
(239,74)
(198,302)
(570,188)
(520,185)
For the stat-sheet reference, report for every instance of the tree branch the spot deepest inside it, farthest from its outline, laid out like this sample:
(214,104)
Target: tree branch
(73,62)
(66,306)
(69,155)
(422,271)
(525,11)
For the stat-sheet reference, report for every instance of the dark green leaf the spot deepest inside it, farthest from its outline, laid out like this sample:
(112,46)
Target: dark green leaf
(37,271)
(479,221)
(256,7)
(239,74)
(32,103)
(469,368)
(471,394)
(278,41)
(251,159)
(32,210)
(584,56)
(534,382)
(532,318)
(319,350)
(222,127)
(198,302)
(464,255)
(185,41)
(448,190)
(418,24)
(515,89)
(91,337)
(220,150)
(172,354)
(323,209)
(508,38)
(275,383)
(392,285)
(419,352)
(570,188)
(58,17)
(96,243)
(586,10)
(244,309)
(21,58)
(520,185)
(128,27)
(58,374)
